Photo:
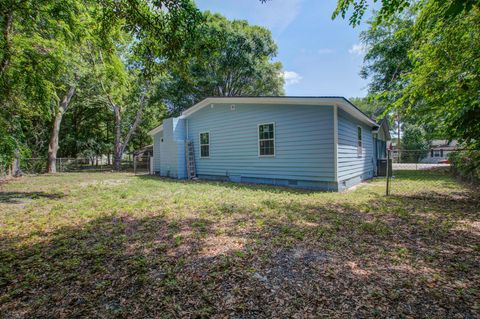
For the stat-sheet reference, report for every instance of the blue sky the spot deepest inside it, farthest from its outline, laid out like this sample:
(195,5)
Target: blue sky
(320,56)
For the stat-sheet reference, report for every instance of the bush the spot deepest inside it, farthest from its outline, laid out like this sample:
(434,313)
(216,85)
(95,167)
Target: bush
(466,165)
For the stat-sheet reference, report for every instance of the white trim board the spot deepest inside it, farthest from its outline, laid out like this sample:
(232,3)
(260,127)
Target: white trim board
(156,130)
(258,140)
(200,145)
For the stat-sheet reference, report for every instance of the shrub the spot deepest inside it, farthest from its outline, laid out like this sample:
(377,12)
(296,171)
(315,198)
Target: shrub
(466,165)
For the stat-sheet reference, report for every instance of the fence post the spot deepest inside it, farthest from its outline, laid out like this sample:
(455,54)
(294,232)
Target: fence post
(134,165)
(388,173)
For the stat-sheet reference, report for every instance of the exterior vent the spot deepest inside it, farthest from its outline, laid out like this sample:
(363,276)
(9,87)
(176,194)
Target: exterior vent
(232,107)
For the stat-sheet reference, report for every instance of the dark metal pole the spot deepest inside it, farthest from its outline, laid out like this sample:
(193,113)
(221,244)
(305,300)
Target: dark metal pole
(388,173)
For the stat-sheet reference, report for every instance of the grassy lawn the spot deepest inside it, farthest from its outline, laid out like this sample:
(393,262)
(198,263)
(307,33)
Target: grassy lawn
(111,245)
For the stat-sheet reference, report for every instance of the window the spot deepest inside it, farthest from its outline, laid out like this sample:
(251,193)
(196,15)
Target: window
(204,145)
(266,139)
(437,153)
(359,141)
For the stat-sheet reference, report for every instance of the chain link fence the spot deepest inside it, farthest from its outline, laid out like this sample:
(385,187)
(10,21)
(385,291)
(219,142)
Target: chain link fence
(137,164)
(422,169)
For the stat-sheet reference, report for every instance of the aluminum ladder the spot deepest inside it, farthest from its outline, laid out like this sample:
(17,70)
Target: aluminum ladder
(190,157)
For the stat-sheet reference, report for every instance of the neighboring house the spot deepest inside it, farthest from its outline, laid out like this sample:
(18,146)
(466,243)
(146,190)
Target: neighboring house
(439,150)
(321,143)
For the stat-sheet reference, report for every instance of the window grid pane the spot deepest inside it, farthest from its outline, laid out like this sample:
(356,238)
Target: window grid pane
(359,137)
(266,138)
(205,152)
(204,144)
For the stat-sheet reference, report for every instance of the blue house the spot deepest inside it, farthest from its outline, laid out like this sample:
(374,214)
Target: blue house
(321,143)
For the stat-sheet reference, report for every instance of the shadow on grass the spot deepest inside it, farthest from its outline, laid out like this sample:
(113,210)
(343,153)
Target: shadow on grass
(397,256)
(20,197)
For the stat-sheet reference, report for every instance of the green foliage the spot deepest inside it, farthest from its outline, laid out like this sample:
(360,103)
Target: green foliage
(424,64)
(466,165)
(386,60)
(231,58)
(372,107)
(414,143)
(387,9)
(7,147)
(444,83)
(49,46)
(40,44)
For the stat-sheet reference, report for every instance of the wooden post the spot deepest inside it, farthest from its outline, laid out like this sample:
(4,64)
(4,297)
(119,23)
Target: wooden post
(134,165)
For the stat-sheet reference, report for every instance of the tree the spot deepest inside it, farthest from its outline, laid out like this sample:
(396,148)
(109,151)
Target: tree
(424,65)
(390,8)
(158,33)
(386,60)
(34,46)
(371,107)
(414,143)
(444,84)
(231,58)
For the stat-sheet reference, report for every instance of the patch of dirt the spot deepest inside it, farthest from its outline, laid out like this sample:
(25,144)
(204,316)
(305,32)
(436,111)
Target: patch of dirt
(218,245)
(294,266)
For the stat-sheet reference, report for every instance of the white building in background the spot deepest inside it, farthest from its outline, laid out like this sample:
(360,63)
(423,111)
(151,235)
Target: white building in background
(439,150)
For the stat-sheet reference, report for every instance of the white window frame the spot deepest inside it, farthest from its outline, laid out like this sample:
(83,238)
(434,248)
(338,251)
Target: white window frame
(359,145)
(200,144)
(437,153)
(258,140)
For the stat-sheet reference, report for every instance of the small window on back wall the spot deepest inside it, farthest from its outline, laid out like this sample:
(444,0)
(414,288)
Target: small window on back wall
(266,139)
(359,141)
(204,144)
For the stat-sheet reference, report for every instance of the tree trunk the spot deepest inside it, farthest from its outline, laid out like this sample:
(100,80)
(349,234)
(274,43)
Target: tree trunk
(53,145)
(119,146)
(7,29)
(16,171)
(117,152)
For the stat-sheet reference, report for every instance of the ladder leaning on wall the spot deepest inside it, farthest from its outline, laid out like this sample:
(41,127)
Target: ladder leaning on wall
(190,157)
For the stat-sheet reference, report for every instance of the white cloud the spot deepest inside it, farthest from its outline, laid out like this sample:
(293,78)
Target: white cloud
(291,77)
(358,49)
(325,51)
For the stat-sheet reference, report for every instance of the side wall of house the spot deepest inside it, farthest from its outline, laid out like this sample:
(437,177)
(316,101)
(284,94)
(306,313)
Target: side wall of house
(352,167)
(157,139)
(170,147)
(304,148)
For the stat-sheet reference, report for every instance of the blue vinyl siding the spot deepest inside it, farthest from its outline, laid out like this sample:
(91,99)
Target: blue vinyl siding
(157,139)
(351,167)
(172,149)
(304,149)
